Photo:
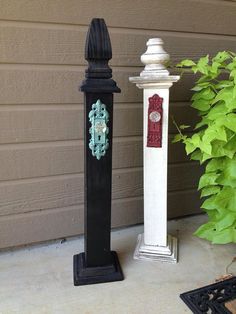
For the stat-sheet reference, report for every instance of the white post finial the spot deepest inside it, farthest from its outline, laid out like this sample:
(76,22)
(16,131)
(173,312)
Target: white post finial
(155,58)
(155,81)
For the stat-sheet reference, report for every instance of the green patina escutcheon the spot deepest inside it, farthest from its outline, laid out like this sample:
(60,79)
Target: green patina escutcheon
(98,117)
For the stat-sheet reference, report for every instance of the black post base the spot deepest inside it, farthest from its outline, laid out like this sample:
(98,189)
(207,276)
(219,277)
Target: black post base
(90,275)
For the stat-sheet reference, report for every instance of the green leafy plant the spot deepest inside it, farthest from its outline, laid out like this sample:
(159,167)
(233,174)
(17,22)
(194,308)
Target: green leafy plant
(213,142)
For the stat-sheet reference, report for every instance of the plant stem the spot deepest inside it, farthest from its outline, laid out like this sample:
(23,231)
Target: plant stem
(176,126)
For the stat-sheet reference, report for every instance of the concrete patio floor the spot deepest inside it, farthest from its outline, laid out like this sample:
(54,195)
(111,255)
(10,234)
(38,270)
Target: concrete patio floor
(38,279)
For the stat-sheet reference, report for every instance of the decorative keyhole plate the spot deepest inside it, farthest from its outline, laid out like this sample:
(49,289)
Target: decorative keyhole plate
(98,117)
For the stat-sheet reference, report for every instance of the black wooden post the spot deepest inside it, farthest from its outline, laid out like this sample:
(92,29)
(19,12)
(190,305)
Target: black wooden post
(98,263)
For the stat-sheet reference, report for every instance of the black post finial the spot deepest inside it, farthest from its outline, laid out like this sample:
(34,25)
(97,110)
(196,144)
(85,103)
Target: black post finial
(98,44)
(98,52)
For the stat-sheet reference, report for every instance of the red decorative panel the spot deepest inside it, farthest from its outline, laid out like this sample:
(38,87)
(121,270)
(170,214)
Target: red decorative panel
(154,136)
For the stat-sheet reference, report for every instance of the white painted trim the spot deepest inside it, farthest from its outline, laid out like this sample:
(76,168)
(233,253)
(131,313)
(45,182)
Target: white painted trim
(168,254)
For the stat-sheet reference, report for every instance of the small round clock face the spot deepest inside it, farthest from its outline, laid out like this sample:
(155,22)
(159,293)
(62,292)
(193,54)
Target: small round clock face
(155,116)
(100,127)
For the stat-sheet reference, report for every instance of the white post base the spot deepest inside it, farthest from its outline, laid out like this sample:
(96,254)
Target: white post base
(168,254)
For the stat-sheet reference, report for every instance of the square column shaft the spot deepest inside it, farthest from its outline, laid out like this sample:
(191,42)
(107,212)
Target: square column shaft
(155,179)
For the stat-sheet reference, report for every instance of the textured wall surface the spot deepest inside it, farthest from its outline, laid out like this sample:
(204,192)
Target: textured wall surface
(41,110)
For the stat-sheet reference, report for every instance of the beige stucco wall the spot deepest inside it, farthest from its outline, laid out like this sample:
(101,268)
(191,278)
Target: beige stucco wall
(41,110)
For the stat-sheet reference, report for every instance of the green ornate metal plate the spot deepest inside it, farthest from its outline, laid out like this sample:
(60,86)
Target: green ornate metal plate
(98,117)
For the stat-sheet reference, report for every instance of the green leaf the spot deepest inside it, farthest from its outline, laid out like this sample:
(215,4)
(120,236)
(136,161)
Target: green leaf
(224,83)
(226,221)
(217,111)
(205,157)
(213,133)
(209,232)
(206,231)
(233,75)
(234,93)
(215,67)
(195,139)
(202,65)
(221,134)
(209,190)
(226,95)
(219,149)
(183,126)
(177,138)
(224,236)
(208,179)
(221,57)
(205,147)
(189,147)
(196,155)
(230,167)
(215,164)
(192,143)
(229,121)
(226,180)
(230,146)
(201,86)
(204,78)
(231,104)
(231,65)
(205,93)
(194,69)
(186,63)
(209,203)
(228,174)
(226,199)
(204,121)
(201,104)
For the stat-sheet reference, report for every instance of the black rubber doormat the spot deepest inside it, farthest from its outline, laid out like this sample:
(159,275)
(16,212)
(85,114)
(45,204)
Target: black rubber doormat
(217,298)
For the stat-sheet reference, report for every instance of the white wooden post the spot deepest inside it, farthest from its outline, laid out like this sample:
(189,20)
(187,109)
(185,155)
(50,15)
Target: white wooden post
(155,80)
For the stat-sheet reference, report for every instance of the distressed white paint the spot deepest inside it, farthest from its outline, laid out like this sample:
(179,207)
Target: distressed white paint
(155,79)
(155,179)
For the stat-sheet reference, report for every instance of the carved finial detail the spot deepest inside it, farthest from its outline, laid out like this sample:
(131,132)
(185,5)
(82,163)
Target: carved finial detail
(155,58)
(98,50)
(98,44)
